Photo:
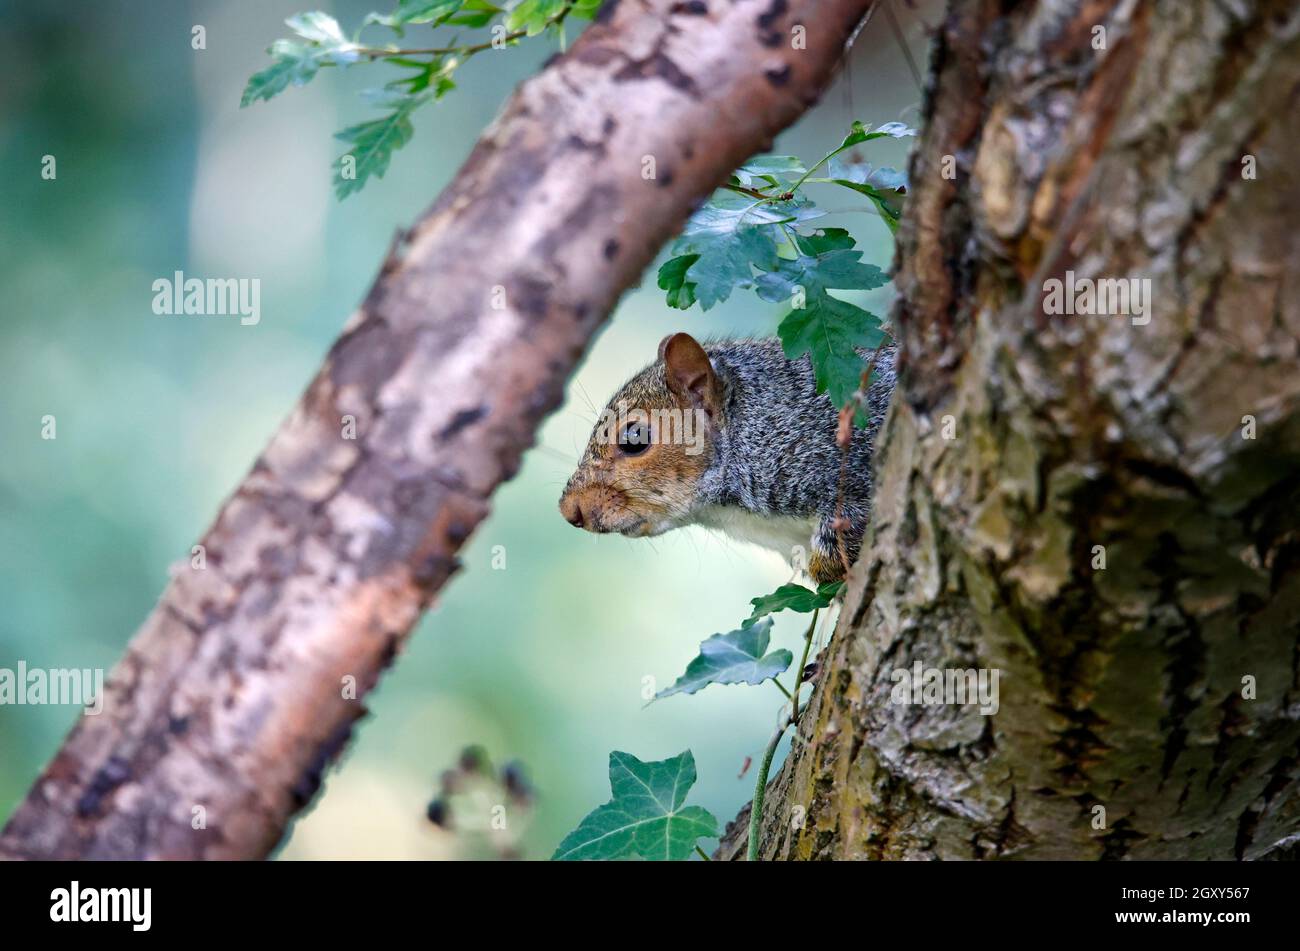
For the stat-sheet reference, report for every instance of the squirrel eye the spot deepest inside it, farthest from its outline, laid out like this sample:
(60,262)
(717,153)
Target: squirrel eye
(635,439)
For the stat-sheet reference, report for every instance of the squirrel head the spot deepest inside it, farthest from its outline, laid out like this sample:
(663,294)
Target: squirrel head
(652,444)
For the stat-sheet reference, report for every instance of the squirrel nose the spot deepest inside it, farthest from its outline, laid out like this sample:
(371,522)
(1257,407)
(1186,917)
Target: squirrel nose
(571,509)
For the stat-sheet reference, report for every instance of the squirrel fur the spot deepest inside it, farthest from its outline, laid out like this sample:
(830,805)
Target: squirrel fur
(761,464)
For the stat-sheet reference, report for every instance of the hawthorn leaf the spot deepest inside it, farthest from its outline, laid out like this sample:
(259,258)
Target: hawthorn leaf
(317,27)
(475,13)
(672,278)
(771,170)
(731,235)
(646,816)
(533,16)
(734,658)
(296,63)
(839,268)
(410,12)
(831,332)
(792,597)
(374,142)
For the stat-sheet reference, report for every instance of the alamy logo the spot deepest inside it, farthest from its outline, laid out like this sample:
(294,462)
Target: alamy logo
(103,904)
(936,686)
(215,297)
(56,686)
(1105,297)
(665,427)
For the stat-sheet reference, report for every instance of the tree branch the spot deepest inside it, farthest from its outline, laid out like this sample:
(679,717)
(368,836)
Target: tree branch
(231,699)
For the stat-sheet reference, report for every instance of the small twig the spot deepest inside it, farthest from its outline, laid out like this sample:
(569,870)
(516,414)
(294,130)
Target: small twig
(467,51)
(803,662)
(902,45)
(702,854)
(844,436)
(780,686)
(760,791)
(760,786)
(755,193)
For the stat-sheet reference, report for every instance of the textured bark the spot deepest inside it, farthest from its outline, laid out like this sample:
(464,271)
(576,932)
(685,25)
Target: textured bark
(1120,687)
(230,697)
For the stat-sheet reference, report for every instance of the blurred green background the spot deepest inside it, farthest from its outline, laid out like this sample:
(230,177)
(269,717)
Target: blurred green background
(160,170)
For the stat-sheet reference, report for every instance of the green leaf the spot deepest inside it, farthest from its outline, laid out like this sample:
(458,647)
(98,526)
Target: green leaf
(771,170)
(886,187)
(645,817)
(586,9)
(792,597)
(731,235)
(533,16)
(296,63)
(734,658)
(373,144)
(858,133)
(829,330)
(417,11)
(672,278)
(320,28)
(475,13)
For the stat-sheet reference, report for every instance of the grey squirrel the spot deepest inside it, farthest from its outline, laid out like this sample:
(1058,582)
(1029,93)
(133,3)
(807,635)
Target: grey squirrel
(731,435)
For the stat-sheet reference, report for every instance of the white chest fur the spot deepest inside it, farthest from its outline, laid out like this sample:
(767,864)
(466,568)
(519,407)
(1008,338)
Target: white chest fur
(782,533)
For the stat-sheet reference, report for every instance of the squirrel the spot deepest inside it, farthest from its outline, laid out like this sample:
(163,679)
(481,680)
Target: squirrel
(732,435)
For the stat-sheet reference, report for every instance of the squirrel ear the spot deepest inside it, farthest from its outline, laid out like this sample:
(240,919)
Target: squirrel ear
(689,373)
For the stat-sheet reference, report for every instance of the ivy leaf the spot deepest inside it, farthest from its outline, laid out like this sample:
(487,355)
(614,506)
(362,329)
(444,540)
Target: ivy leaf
(374,142)
(645,817)
(672,278)
(734,658)
(792,597)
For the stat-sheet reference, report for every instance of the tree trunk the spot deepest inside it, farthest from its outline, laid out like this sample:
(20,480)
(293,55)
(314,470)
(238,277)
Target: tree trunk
(238,692)
(1104,510)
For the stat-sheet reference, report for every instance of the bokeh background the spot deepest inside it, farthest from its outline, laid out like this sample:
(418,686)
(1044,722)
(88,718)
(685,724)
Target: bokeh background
(158,418)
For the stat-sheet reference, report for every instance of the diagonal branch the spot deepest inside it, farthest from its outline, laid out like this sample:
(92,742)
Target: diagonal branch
(233,697)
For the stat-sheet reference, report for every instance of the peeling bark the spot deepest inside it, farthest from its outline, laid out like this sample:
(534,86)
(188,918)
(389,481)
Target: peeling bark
(230,697)
(1121,687)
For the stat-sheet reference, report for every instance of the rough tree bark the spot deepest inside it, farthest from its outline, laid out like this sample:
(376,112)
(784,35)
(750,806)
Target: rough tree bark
(1121,687)
(230,697)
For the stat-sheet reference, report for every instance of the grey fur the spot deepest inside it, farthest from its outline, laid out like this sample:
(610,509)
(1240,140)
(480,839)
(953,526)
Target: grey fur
(776,454)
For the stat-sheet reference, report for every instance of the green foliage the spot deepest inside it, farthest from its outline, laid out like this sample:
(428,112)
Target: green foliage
(646,816)
(411,12)
(730,236)
(297,61)
(754,233)
(321,42)
(373,144)
(672,278)
(534,16)
(734,658)
(826,328)
(792,597)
